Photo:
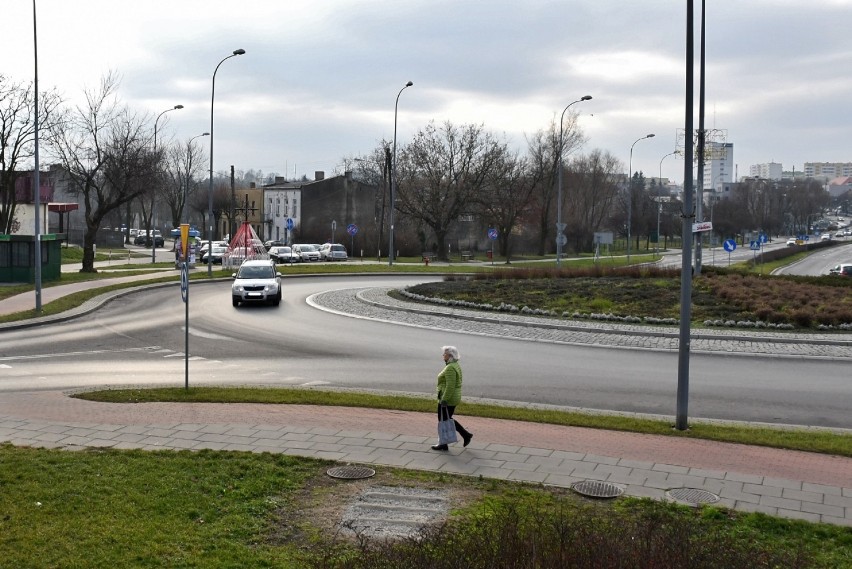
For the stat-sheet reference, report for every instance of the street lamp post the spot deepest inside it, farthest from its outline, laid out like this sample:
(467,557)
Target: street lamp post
(393,175)
(153,218)
(36,174)
(185,214)
(235,53)
(630,193)
(660,202)
(560,227)
(188,175)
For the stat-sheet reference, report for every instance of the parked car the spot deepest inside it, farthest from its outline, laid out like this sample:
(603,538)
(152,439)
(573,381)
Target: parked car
(215,256)
(333,252)
(792,241)
(142,238)
(256,281)
(283,254)
(273,243)
(205,244)
(306,252)
(146,241)
(843,269)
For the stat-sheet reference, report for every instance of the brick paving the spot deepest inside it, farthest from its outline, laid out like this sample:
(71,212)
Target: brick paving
(792,484)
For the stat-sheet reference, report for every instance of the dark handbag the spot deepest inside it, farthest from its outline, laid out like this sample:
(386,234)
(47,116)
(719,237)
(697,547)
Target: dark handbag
(446,426)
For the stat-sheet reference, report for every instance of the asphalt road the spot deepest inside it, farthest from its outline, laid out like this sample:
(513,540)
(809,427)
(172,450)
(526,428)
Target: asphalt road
(819,262)
(140,338)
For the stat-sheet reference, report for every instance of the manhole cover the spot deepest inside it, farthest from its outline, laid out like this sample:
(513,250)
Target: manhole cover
(692,496)
(597,489)
(350,472)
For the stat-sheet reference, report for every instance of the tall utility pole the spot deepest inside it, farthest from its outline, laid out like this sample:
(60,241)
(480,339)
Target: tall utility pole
(36,178)
(681,422)
(702,138)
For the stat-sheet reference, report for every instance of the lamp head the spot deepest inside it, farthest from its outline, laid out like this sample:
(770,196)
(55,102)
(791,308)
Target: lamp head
(178,106)
(409,84)
(239,51)
(586,98)
(649,136)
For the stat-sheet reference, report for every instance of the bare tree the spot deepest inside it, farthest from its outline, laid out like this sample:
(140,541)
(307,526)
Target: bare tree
(375,171)
(103,148)
(590,186)
(546,148)
(17,138)
(184,166)
(804,200)
(507,197)
(440,174)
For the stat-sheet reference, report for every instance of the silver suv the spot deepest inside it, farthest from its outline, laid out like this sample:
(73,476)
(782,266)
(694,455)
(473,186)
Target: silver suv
(307,252)
(256,281)
(333,252)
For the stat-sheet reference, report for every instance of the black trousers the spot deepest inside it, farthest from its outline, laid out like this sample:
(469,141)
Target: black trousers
(450,410)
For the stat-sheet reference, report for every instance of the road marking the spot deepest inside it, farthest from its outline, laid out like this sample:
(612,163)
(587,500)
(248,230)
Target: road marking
(67,354)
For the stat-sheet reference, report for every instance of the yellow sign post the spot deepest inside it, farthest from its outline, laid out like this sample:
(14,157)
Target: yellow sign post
(184,242)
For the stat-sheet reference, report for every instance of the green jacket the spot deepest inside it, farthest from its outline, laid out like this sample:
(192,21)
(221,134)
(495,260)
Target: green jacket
(450,384)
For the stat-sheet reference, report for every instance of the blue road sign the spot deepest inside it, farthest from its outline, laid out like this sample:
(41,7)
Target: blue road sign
(754,245)
(492,234)
(290,224)
(351,229)
(184,281)
(763,238)
(729,245)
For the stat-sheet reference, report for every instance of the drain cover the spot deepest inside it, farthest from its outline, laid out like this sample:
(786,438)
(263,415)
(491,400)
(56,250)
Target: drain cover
(692,496)
(597,489)
(350,472)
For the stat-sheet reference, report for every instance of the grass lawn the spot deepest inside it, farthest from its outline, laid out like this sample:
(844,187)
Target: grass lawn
(113,508)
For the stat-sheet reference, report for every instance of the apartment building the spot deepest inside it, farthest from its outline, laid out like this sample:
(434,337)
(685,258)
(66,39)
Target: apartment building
(826,171)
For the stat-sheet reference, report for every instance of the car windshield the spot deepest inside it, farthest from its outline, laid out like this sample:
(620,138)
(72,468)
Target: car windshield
(256,272)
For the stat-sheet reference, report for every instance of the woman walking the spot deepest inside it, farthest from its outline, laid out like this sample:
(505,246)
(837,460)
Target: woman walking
(450,391)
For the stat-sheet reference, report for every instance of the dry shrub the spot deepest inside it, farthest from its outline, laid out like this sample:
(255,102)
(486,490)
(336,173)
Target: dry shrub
(639,535)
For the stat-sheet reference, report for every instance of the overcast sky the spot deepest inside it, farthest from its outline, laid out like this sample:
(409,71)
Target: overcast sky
(319,78)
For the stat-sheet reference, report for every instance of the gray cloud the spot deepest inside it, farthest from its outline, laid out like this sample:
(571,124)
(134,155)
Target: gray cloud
(319,79)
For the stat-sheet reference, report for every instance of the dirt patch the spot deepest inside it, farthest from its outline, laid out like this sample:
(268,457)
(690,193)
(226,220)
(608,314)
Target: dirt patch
(320,511)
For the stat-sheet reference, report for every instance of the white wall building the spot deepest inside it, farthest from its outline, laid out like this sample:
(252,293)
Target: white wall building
(767,171)
(719,166)
(826,171)
(279,205)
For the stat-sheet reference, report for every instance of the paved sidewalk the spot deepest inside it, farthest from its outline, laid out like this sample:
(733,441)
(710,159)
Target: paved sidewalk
(791,484)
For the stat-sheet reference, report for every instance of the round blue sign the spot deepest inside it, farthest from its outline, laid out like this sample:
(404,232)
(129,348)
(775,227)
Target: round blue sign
(730,245)
(290,224)
(351,229)
(492,234)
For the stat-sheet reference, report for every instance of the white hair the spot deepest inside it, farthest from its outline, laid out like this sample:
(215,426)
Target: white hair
(452,351)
